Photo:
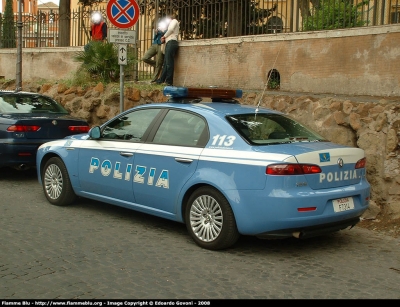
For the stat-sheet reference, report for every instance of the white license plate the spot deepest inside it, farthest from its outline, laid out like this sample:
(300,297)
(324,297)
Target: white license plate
(343,204)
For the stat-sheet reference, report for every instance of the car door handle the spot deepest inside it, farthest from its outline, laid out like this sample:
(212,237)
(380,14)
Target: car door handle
(183,160)
(126,154)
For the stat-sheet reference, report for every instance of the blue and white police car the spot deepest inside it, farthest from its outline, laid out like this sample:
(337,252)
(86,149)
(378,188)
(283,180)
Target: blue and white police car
(222,168)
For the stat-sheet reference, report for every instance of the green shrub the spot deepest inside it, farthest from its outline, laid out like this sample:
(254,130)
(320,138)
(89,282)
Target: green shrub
(336,14)
(100,62)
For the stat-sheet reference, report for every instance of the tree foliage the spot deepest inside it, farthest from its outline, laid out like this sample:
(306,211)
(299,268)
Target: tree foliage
(89,2)
(335,14)
(8,35)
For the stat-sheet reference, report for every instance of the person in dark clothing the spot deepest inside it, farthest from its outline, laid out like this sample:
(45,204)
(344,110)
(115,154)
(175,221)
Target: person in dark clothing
(171,48)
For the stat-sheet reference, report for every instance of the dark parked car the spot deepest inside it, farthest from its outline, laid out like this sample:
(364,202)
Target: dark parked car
(28,120)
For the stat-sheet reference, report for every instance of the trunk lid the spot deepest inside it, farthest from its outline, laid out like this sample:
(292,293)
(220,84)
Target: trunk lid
(336,161)
(53,127)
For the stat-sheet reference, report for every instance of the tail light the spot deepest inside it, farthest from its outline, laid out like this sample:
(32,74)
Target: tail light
(79,129)
(292,169)
(361,163)
(23,128)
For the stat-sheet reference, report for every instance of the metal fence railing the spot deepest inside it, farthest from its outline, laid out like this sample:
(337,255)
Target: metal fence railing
(203,19)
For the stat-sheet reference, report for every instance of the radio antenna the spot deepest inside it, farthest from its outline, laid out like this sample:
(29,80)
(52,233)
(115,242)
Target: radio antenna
(269,75)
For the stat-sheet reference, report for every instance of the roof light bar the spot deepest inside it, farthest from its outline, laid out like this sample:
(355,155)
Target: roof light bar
(185,92)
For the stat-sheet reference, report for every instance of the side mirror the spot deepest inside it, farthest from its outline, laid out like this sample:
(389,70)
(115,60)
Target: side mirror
(95,133)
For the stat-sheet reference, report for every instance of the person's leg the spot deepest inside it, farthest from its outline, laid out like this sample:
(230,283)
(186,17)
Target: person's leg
(169,77)
(87,49)
(159,64)
(151,52)
(166,58)
(162,76)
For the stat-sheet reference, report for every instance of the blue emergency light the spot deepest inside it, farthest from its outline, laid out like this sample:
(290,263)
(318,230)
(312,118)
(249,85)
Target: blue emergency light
(189,92)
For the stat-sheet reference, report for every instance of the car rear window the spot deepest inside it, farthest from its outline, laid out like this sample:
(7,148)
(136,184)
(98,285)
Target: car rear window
(29,104)
(264,128)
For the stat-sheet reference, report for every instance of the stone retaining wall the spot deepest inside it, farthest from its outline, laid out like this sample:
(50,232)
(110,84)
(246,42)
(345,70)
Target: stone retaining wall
(370,123)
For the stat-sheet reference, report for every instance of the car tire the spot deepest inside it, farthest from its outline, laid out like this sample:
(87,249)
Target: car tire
(210,220)
(56,183)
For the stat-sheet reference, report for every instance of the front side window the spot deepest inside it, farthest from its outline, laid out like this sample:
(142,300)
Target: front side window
(262,128)
(183,129)
(131,126)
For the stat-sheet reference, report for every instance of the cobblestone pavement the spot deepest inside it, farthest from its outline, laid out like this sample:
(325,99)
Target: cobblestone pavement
(92,250)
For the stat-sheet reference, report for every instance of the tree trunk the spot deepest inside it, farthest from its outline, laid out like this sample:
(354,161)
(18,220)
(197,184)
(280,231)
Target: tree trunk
(65,23)
(304,6)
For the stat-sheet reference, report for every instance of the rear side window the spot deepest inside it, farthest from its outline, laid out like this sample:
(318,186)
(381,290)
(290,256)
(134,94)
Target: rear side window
(29,104)
(183,129)
(263,128)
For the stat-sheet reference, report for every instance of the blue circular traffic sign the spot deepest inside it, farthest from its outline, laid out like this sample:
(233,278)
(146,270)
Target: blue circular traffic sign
(123,13)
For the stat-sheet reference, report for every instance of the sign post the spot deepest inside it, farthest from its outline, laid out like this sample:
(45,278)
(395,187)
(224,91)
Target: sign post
(122,60)
(123,14)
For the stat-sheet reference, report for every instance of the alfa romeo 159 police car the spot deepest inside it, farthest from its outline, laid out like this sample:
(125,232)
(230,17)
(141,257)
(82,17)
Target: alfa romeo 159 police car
(222,168)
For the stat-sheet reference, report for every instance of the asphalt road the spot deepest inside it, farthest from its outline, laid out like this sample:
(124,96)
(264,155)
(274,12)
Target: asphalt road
(92,250)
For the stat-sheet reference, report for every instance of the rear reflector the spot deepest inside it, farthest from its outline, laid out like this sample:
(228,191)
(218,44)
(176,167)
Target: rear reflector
(79,129)
(292,169)
(23,128)
(306,209)
(24,154)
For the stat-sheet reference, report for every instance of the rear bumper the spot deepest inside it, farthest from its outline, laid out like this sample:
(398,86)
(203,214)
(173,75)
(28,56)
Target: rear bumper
(280,213)
(18,154)
(309,232)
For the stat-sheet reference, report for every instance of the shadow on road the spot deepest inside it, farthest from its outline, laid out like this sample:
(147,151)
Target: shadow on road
(13,174)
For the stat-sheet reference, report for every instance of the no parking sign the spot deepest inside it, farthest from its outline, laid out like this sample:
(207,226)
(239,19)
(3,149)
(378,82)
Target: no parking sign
(123,13)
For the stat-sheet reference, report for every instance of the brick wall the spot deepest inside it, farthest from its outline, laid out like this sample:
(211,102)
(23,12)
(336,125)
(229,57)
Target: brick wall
(360,61)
